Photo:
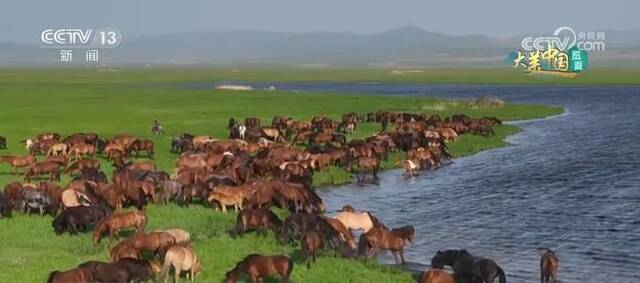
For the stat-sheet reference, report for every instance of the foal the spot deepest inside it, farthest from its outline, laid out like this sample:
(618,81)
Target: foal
(548,266)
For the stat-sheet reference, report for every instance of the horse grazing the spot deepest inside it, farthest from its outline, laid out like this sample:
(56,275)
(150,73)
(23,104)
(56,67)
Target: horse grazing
(181,259)
(257,219)
(182,237)
(364,221)
(311,243)
(125,270)
(76,275)
(122,250)
(75,219)
(141,145)
(548,266)
(227,196)
(52,168)
(156,242)
(18,161)
(472,268)
(382,238)
(57,149)
(119,221)
(258,267)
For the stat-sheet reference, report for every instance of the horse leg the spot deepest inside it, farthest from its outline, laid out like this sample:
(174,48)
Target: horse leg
(176,275)
(395,256)
(402,256)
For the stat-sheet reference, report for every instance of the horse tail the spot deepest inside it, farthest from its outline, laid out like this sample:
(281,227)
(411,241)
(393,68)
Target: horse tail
(362,246)
(289,268)
(167,265)
(502,277)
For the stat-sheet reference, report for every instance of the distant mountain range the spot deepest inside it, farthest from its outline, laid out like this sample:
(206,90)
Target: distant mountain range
(406,46)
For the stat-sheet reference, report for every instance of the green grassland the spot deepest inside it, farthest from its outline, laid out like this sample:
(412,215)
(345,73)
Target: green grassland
(69,101)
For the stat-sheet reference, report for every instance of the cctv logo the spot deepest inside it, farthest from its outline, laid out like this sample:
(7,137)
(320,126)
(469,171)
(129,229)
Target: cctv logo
(555,41)
(66,36)
(565,38)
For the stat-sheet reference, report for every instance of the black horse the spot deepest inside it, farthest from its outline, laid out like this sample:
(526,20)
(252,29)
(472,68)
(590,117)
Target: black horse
(5,206)
(479,269)
(3,142)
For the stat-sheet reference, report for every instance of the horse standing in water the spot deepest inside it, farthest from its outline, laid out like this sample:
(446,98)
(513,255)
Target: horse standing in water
(475,268)
(548,266)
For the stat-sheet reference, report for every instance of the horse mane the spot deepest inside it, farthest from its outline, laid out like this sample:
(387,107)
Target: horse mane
(376,222)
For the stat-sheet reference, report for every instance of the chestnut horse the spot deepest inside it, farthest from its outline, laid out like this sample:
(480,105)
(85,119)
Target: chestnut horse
(124,249)
(311,243)
(548,266)
(259,266)
(119,221)
(382,238)
(141,145)
(257,219)
(440,276)
(18,161)
(52,168)
(76,275)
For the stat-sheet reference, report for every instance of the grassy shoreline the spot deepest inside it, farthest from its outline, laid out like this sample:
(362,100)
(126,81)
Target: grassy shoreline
(36,102)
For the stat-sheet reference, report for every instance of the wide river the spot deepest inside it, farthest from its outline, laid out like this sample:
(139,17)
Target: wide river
(570,183)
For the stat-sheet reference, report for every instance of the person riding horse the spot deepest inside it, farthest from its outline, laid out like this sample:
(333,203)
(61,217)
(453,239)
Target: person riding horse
(156,128)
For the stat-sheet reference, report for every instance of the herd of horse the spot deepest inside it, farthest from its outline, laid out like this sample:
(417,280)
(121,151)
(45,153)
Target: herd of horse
(256,169)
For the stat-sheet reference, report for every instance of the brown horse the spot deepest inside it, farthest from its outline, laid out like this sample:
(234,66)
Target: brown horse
(141,145)
(156,242)
(83,164)
(437,276)
(548,266)
(18,161)
(52,168)
(76,275)
(182,237)
(124,249)
(382,238)
(181,259)
(259,266)
(80,149)
(227,196)
(342,231)
(119,221)
(257,219)
(312,242)
(365,164)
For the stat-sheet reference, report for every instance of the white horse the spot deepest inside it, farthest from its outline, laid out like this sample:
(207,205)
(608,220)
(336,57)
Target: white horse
(241,130)
(28,144)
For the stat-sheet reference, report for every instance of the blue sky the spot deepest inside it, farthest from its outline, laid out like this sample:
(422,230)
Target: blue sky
(23,20)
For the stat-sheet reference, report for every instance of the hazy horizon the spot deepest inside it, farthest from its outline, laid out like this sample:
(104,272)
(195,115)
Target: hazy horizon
(24,20)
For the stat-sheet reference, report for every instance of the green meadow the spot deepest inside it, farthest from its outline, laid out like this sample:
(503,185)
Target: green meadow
(125,101)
